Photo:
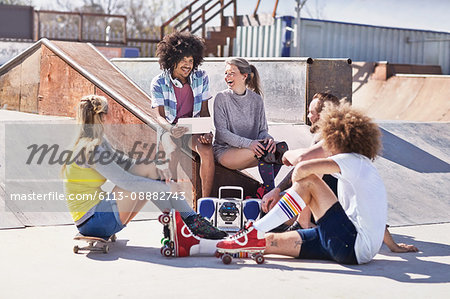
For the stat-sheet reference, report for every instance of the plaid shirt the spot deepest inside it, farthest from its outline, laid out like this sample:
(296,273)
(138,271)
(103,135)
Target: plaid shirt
(163,93)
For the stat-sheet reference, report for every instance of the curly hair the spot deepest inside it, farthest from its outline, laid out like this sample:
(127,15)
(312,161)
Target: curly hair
(324,97)
(177,45)
(346,130)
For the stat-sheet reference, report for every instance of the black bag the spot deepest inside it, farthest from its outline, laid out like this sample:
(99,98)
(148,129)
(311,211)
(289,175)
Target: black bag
(275,158)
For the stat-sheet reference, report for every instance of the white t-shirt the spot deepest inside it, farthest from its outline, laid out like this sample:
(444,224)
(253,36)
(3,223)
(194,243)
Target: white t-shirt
(362,194)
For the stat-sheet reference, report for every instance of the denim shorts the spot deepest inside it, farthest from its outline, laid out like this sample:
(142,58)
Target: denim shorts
(333,238)
(105,221)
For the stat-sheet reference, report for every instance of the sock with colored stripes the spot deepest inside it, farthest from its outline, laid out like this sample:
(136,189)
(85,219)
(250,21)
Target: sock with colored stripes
(290,205)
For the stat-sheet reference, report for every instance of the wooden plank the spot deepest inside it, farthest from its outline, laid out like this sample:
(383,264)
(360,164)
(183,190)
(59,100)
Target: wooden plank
(29,86)
(61,87)
(10,89)
(94,63)
(333,76)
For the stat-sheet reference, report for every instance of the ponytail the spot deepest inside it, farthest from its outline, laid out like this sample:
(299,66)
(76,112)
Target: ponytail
(253,80)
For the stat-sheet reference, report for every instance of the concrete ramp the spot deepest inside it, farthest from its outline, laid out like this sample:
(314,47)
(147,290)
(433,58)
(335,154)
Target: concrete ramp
(415,167)
(15,214)
(411,97)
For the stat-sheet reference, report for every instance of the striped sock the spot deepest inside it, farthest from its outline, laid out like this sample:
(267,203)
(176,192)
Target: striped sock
(290,205)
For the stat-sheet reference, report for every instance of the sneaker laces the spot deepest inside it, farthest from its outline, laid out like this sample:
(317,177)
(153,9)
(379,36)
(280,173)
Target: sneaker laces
(239,234)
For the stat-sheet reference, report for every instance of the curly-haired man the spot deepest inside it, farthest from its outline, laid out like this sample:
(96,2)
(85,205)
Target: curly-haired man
(350,227)
(180,91)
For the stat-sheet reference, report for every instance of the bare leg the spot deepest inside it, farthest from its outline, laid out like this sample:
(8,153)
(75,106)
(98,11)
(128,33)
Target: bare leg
(288,244)
(316,194)
(128,208)
(207,166)
(172,151)
(304,218)
(319,198)
(238,158)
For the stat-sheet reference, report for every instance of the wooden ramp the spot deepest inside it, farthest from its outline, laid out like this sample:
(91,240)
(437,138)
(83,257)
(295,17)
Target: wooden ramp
(50,77)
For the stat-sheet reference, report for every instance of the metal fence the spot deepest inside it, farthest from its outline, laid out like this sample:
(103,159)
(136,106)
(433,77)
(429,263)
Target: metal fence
(326,39)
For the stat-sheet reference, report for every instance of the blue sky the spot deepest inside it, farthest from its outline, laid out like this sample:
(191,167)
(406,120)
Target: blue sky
(415,14)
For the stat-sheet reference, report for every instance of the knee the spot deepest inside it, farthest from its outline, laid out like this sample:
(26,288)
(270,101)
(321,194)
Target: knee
(308,182)
(205,151)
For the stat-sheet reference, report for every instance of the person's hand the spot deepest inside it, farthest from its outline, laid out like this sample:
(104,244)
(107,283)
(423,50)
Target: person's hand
(270,199)
(401,248)
(270,145)
(178,131)
(206,138)
(257,148)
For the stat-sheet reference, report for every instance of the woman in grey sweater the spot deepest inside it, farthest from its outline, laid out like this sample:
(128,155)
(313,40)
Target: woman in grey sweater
(241,124)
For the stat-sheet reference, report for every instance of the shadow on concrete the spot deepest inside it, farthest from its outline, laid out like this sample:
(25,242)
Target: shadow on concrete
(361,75)
(410,156)
(412,269)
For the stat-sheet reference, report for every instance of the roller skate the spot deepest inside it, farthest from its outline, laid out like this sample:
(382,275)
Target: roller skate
(178,238)
(202,228)
(248,241)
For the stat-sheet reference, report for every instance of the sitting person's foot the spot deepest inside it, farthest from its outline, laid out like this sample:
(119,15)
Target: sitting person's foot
(248,239)
(183,238)
(203,228)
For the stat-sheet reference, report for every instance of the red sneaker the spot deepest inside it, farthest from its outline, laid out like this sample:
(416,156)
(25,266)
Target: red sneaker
(180,236)
(249,239)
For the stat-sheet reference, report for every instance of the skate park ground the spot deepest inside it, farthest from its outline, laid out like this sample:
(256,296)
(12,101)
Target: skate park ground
(36,252)
(38,261)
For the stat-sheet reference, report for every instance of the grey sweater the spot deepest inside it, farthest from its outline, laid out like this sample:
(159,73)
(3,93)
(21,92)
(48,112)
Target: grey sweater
(239,119)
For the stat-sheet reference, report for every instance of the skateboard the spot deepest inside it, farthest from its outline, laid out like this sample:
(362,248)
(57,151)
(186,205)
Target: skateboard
(167,242)
(227,256)
(94,244)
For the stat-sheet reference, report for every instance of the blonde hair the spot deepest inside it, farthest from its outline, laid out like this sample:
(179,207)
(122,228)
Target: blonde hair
(253,82)
(90,110)
(346,130)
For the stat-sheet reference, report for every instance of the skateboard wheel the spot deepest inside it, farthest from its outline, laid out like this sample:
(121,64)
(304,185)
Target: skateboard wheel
(164,241)
(172,244)
(75,249)
(218,254)
(164,219)
(105,249)
(167,252)
(259,259)
(226,259)
(113,238)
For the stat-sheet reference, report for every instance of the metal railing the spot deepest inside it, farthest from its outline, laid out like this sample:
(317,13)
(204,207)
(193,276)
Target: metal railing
(198,16)
(79,21)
